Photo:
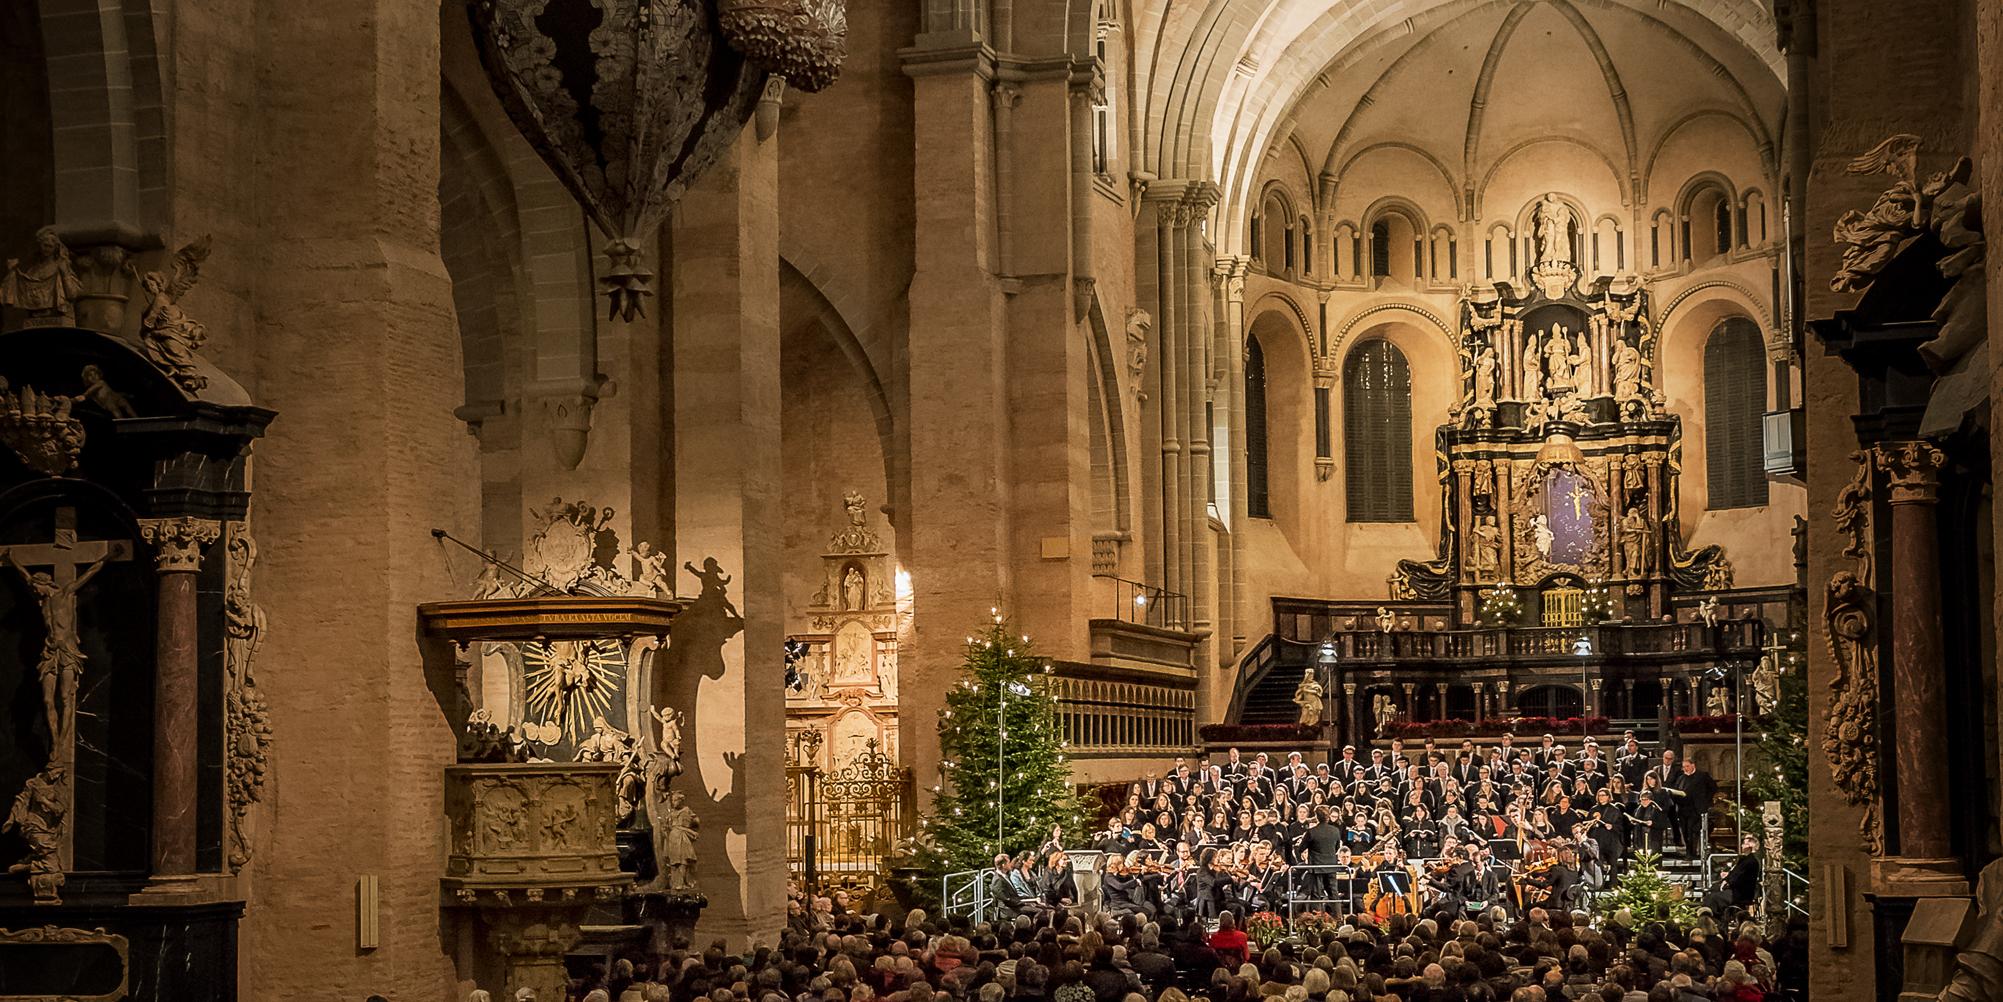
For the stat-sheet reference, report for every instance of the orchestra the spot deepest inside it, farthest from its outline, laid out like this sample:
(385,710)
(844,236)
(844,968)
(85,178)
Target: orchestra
(1405,832)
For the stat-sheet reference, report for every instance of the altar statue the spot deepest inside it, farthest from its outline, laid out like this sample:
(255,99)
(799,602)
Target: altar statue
(1562,359)
(47,287)
(1541,534)
(1634,542)
(1533,371)
(1308,696)
(1627,372)
(1487,546)
(1484,378)
(1553,230)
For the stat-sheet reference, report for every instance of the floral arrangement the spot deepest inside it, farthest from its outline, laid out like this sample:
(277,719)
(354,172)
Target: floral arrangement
(1316,924)
(1265,928)
(1256,733)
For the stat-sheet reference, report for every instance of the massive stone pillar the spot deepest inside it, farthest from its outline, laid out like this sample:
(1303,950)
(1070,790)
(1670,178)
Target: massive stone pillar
(347,331)
(956,365)
(723,666)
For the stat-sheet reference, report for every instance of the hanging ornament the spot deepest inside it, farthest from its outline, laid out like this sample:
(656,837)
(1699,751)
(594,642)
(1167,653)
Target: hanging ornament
(629,101)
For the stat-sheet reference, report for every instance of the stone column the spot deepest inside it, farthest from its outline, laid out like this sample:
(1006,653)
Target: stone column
(1918,700)
(727,483)
(956,361)
(178,543)
(1350,732)
(1502,708)
(1480,701)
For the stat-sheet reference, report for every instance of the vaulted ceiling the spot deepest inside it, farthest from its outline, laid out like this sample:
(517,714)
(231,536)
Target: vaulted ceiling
(1230,82)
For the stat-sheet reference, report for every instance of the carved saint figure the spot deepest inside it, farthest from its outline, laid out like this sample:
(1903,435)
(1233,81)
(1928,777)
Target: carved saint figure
(47,287)
(854,595)
(557,824)
(1308,696)
(1541,535)
(1627,372)
(652,577)
(171,338)
(1385,711)
(1553,227)
(606,743)
(1533,371)
(37,814)
(1487,546)
(1484,377)
(62,658)
(1562,359)
(677,862)
(1634,542)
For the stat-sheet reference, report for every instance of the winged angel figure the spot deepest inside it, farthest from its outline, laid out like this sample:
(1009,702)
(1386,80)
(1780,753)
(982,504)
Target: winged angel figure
(172,338)
(1870,239)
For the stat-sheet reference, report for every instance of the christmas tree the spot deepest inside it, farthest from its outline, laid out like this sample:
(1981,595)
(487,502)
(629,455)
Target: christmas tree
(1783,746)
(1646,896)
(1006,775)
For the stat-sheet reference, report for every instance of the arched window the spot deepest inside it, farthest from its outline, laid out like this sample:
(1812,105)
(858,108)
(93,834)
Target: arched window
(1380,249)
(1735,396)
(1257,500)
(1307,246)
(1377,432)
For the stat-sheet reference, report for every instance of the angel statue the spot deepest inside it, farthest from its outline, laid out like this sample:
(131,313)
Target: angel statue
(1308,696)
(1871,238)
(171,338)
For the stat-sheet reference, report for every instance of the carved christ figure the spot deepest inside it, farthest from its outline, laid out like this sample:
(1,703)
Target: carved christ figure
(853,587)
(1561,360)
(62,656)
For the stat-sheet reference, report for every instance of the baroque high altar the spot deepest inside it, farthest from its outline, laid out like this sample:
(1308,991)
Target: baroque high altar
(1559,461)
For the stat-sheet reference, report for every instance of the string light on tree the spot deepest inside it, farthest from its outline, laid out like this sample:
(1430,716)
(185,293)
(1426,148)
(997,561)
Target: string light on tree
(1006,780)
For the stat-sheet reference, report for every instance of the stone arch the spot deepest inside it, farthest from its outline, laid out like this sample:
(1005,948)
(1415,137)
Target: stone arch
(1278,298)
(106,89)
(1662,142)
(1418,310)
(1108,433)
(1613,170)
(1697,205)
(1438,165)
(1719,289)
(1290,412)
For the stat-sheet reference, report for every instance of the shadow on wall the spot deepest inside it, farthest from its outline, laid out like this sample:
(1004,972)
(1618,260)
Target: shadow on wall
(695,652)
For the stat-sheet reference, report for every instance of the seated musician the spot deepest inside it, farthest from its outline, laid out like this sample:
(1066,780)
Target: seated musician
(1121,888)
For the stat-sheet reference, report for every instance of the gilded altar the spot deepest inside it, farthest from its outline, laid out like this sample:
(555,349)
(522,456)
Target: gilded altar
(1558,463)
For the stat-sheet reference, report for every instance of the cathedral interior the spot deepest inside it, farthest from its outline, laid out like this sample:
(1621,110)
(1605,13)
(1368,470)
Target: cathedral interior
(457,450)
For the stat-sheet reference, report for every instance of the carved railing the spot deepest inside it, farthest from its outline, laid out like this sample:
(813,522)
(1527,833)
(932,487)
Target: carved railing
(1671,642)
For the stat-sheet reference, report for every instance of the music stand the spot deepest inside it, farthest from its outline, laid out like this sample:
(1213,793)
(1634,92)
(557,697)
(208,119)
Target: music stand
(1085,878)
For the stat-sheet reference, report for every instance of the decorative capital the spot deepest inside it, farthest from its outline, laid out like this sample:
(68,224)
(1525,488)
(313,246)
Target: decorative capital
(1912,471)
(179,541)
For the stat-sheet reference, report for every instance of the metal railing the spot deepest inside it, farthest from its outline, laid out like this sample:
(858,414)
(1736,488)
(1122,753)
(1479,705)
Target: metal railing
(1146,604)
(1794,892)
(965,892)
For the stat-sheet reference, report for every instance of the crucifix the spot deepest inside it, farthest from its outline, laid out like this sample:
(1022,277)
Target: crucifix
(71,563)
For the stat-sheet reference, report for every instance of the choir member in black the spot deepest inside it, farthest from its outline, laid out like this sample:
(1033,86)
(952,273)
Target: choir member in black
(1564,817)
(1693,807)
(1421,839)
(1606,826)
(1651,824)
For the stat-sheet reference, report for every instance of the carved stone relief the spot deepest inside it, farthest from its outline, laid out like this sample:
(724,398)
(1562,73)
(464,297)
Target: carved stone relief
(1850,726)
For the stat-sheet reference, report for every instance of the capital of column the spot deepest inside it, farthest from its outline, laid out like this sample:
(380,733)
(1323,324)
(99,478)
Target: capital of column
(179,541)
(1912,471)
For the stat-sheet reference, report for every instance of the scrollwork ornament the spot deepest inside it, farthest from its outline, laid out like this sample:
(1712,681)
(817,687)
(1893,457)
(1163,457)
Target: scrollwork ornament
(1850,731)
(246,716)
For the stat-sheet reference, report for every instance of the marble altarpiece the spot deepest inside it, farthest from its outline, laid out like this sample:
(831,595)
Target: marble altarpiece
(845,703)
(1559,462)
(133,737)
